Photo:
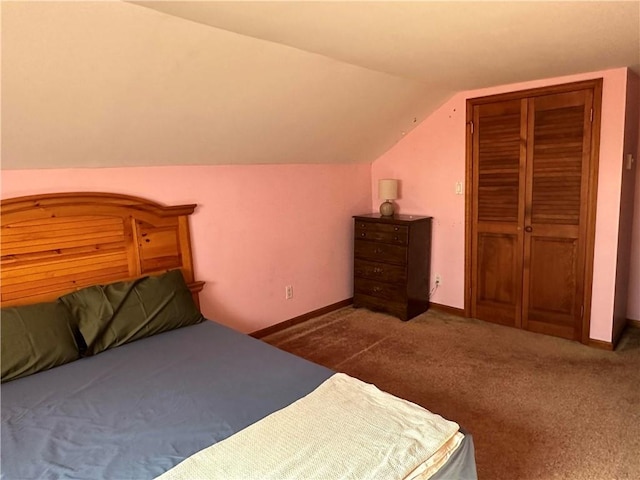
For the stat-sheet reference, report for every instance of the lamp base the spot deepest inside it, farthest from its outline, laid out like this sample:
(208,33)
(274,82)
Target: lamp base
(386,209)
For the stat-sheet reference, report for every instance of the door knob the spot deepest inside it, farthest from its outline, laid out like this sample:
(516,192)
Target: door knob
(528,228)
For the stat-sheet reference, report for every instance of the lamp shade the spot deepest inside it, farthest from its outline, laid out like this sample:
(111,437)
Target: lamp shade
(387,189)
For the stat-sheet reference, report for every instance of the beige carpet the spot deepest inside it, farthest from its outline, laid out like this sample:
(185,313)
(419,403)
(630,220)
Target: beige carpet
(538,407)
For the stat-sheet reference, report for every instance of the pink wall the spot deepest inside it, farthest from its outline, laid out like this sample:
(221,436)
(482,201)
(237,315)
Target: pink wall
(431,159)
(633,113)
(626,214)
(257,228)
(262,227)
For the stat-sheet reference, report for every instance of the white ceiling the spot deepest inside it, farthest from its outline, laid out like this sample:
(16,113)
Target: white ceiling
(447,44)
(113,83)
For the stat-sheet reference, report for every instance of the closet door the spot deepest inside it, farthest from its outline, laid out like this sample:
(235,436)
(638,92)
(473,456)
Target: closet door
(557,173)
(531,208)
(499,155)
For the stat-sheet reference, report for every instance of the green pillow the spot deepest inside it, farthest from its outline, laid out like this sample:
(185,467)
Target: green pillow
(34,338)
(118,313)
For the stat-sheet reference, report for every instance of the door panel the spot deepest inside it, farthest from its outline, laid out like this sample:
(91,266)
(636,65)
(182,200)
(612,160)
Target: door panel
(498,278)
(553,276)
(498,182)
(499,155)
(557,153)
(557,176)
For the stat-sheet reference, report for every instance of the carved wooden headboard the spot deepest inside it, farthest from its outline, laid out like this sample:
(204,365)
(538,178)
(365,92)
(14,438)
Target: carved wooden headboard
(55,243)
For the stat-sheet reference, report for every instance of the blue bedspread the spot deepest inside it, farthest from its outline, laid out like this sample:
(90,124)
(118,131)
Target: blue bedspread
(137,410)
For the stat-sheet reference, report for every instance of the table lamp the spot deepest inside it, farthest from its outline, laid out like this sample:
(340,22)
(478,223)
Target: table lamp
(387,191)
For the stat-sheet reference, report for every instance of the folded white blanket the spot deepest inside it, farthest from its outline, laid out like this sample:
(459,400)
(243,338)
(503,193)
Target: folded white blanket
(343,429)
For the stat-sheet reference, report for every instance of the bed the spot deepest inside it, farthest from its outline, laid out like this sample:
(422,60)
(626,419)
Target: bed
(125,401)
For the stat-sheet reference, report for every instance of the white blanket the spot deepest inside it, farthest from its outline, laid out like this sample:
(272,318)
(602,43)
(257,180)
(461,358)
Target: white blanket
(343,429)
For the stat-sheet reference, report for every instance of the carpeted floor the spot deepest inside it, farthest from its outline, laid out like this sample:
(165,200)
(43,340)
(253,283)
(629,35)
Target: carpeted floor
(538,407)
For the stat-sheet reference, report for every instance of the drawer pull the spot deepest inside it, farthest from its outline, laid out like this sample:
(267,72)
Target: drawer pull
(396,228)
(395,238)
(378,251)
(363,234)
(377,270)
(376,289)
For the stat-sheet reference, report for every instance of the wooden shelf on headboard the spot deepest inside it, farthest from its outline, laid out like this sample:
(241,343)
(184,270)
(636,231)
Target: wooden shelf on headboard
(56,243)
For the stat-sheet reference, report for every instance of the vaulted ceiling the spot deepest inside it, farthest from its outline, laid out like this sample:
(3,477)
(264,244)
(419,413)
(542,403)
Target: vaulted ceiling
(198,82)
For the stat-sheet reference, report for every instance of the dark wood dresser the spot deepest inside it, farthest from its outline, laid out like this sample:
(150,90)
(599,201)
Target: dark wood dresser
(392,261)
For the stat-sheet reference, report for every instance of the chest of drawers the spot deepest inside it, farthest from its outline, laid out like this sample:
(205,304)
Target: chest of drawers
(392,261)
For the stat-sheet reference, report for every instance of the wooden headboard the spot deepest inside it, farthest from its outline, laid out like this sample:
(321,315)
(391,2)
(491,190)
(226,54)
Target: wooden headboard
(56,243)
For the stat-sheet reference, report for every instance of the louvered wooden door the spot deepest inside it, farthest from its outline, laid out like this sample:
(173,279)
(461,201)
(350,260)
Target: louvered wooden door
(531,163)
(558,153)
(498,183)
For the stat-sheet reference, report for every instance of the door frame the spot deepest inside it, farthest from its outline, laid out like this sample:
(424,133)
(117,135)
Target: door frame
(596,86)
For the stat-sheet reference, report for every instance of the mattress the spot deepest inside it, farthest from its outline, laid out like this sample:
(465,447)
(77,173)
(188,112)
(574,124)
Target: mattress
(136,411)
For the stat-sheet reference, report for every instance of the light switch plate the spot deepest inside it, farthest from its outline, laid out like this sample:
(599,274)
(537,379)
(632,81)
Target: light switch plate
(628,164)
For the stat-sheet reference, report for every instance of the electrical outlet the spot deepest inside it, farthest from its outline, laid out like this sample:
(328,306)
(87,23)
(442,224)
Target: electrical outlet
(288,292)
(438,279)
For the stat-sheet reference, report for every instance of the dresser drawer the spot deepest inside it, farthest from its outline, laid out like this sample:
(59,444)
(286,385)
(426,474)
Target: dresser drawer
(380,271)
(382,227)
(397,309)
(399,238)
(381,232)
(380,252)
(387,291)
